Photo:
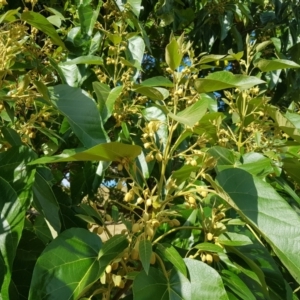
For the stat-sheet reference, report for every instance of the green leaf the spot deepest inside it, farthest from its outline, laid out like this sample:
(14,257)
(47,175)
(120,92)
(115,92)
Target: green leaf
(45,201)
(88,17)
(236,284)
(55,20)
(154,93)
(223,80)
(42,24)
(88,59)
(111,249)
(156,81)
(209,247)
(284,123)
(291,166)
(222,155)
(207,287)
(9,15)
(173,54)
(11,136)
(169,253)
(156,286)
(85,122)
(192,114)
(136,46)
(145,252)
(266,65)
(268,213)
(234,239)
(256,164)
(110,102)
(135,6)
(102,91)
(12,209)
(67,267)
(114,151)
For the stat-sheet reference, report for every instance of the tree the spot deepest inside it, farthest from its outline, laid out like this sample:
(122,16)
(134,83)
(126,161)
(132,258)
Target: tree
(178,121)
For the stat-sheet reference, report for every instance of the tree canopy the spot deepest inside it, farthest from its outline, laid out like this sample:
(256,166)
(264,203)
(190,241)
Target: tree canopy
(150,149)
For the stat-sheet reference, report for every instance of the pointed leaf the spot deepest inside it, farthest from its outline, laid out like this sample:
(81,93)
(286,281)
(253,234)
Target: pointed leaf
(156,81)
(192,114)
(270,214)
(223,80)
(111,249)
(42,24)
(45,201)
(108,152)
(156,286)
(171,254)
(173,54)
(67,267)
(154,93)
(145,252)
(237,285)
(81,112)
(207,287)
(88,59)
(12,212)
(266,65)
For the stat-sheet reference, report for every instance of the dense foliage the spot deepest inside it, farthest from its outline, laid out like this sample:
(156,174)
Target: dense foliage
(150,149)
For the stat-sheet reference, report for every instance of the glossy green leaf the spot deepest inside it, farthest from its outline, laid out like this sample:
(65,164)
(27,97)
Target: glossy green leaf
(111,249)
(85,122)
(136,46)
(173,54)
(45,201)
(223,155)
(88,59)
(224,80)
(271,215)
(11,136)
(234,239)
(110,102)
(266,65)
(291,166)
(154,93)
(237,285)
(114,151)
(73,260)
(88,17)
(135,6)
(9,15)
(192,114)
(207,287)
(156,286)
(256,164)
(209,247)
(102,91)
(42,24)
(156,81)
(54,20)
(12,209)
(169,253)
(145,252)
(284,123)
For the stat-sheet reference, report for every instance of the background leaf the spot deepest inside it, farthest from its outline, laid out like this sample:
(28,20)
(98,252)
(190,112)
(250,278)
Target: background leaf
(270,215)
(145,252)
(107,152)
(41,23)
(86,122)
(224,80)
(209,285)
(72,259)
